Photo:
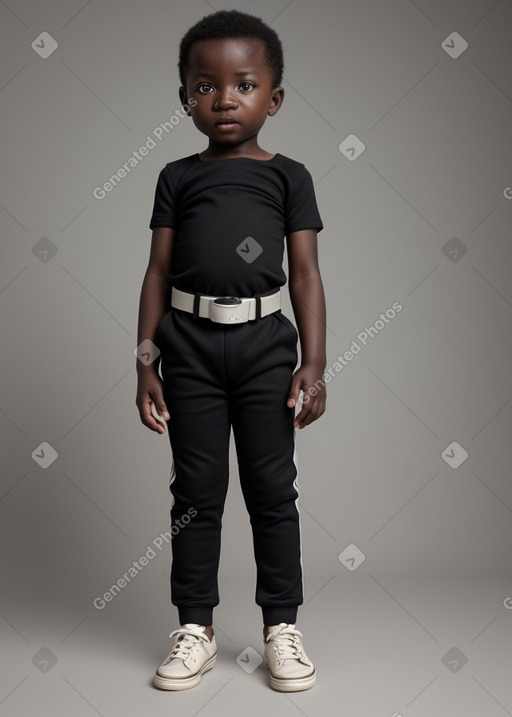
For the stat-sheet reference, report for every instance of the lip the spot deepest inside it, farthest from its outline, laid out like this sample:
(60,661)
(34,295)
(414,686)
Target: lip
(226,122)
(226,126)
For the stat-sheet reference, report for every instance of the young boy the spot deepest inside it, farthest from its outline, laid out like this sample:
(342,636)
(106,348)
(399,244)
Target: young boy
(227,352)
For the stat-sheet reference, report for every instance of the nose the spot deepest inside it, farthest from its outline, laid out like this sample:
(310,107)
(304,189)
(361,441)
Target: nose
(225,99)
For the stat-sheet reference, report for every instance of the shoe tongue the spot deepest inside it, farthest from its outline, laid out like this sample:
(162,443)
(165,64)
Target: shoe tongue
(282,624)
(192,624)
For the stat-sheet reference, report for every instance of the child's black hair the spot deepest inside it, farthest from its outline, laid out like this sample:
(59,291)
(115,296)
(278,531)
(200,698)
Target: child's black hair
(234,24)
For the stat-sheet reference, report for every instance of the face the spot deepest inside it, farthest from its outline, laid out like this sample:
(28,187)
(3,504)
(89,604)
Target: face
(229,79)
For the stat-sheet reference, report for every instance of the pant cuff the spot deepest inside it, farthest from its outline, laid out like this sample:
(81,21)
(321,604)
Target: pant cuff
(273,615)
(198,614)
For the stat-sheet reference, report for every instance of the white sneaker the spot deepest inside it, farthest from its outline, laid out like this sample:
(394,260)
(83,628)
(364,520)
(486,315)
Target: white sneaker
(191,655)
(289,668)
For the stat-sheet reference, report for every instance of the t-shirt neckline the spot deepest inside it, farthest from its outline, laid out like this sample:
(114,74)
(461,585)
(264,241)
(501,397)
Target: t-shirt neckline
(226,159)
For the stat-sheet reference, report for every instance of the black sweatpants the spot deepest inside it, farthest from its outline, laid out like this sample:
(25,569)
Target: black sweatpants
(216,376)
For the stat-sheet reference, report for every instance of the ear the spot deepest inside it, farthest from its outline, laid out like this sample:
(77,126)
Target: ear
(276,100)
(184,100)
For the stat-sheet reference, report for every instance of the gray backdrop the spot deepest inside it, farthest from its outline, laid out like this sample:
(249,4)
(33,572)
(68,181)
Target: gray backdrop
(401,111)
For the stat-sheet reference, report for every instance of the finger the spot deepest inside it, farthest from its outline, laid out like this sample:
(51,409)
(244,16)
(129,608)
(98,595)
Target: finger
(301,417)
(153,424)
(160,428)
(150,420)
(162,409)
(312,413)
(160,415)
(293,396)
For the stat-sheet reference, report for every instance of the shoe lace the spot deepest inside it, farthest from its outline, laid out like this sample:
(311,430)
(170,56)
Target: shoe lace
(287,644)
(187,638)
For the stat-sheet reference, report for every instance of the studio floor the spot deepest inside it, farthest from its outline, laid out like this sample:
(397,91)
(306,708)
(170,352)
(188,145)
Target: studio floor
(382,645)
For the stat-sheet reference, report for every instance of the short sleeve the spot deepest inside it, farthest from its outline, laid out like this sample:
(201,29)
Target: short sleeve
(301,210)
(163,207)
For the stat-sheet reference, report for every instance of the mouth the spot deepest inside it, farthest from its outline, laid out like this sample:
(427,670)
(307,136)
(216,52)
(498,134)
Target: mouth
(226,123)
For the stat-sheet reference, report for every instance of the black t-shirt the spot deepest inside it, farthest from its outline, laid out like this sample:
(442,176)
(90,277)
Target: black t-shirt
(231,217)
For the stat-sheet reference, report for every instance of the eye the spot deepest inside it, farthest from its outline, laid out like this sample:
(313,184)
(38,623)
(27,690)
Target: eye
(249,84)
(203,84)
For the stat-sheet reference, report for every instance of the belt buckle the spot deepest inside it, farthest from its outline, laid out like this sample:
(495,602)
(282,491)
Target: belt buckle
(228,310)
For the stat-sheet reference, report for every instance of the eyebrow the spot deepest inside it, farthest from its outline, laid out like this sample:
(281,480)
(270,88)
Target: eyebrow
(242,73)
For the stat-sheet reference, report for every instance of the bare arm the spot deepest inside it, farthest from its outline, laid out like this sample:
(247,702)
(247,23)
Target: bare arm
(308,301)
(153,304)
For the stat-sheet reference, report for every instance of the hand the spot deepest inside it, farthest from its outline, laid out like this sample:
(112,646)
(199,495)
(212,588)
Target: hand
(314,398)
(150,387)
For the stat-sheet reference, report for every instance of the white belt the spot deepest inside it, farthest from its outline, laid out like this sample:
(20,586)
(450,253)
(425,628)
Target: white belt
(226,309)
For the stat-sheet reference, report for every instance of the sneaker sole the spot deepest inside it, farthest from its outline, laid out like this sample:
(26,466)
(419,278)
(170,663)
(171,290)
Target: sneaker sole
(183,683)
(291,685)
